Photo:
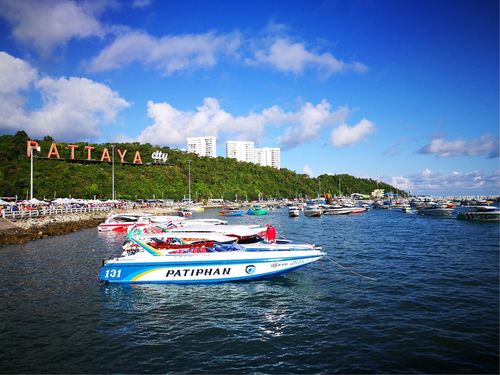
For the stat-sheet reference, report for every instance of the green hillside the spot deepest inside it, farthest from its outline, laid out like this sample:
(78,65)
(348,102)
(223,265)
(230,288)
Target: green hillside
(210,177)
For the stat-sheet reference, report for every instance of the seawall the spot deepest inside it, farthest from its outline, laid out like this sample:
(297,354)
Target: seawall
(22,231)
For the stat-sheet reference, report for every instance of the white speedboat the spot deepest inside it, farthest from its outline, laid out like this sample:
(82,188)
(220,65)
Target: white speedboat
(293,211)
(338,210)
(207,264)
(120,222)
(435,210)
(312,211)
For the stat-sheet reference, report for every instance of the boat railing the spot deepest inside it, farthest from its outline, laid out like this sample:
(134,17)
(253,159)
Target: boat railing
(22,214)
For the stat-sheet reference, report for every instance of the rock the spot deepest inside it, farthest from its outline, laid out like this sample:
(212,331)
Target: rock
(56,225)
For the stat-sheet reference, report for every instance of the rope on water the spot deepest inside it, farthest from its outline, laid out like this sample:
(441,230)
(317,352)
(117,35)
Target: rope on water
(348,269)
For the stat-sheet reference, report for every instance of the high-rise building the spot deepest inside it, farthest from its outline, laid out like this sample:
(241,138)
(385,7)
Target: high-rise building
(268,157)
(241,151)
(202,146)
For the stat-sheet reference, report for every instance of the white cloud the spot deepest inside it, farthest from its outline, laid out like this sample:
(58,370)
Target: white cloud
(15,74)
(290,57)
(426,173)
(173,126)
(308,171)
(168,54)
(48,24)
(486,144)
(344,135)
(309,122)
(401,183)
(73,108)
(454,183)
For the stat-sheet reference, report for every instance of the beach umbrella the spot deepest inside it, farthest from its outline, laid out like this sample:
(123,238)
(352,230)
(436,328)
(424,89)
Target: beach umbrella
(36,201)
(60,201)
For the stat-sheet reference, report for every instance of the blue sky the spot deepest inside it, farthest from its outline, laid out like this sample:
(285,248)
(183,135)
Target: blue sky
(402,91)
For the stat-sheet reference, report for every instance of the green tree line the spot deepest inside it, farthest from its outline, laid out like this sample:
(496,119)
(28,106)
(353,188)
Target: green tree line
(210,177)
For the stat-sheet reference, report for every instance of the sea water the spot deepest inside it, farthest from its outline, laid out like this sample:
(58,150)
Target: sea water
(396,293)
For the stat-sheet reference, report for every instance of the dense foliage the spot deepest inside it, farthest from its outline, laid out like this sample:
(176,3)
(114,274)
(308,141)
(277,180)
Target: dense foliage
(210,177)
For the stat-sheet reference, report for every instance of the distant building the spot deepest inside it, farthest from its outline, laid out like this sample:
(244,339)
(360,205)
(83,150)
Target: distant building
(202,146)
(241,151)
(268,157)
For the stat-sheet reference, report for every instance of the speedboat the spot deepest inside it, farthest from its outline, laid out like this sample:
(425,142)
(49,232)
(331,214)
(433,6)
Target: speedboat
(184,212)
(257,210)
(219,263)
(312,210)
(338,210)
(435,210)
(231,212)
(120,222)
(206,254)
(293,211)
(480,213)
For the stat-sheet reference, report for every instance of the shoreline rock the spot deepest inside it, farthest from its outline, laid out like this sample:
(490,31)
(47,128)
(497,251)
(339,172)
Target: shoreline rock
(36,228)
(29,229)
(21,235)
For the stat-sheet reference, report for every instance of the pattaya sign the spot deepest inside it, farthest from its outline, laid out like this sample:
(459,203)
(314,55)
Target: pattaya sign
(157,156)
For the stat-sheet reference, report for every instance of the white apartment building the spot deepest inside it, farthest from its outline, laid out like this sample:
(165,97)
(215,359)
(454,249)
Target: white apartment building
(202,146)
(268,157)
(241,151)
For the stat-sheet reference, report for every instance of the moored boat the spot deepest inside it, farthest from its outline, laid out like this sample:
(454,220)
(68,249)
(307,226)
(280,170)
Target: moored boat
(293,211)
(358,210)
(435,210)
(312,210)
(120,222)
(206,264)
(231,212)
(338,210)
(257,210)
(480,213)
(184,212)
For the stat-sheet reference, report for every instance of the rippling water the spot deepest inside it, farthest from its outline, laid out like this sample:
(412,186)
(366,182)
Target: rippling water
(429,303)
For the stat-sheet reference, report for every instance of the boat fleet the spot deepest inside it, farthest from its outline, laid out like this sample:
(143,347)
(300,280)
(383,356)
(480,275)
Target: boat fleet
(173,249)
(481,211)
(180,249)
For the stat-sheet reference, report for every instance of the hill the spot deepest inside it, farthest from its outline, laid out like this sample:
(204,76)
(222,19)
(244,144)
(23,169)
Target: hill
(77,176)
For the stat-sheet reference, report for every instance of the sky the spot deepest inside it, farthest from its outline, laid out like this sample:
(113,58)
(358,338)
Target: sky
(406,92)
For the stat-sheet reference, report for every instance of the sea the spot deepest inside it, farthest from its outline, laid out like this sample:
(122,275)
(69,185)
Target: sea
(396,293)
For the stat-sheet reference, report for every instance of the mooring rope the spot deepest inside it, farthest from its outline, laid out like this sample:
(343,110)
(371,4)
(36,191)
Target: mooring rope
(350,270)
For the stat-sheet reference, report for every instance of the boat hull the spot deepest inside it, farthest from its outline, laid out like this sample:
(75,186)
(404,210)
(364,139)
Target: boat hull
(232,213)
(111,227)
(480,216)
(257,212)
(205,267)
(339,211)
(436,211)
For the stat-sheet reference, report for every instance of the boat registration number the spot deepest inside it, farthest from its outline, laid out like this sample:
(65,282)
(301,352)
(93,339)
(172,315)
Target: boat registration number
(113,273)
